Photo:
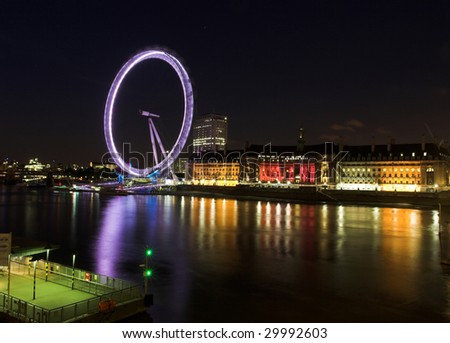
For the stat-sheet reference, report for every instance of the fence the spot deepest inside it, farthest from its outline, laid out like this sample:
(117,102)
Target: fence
(109,292)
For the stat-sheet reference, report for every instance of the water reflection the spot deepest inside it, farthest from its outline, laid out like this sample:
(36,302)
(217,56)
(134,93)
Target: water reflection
(118,218)
(227,260)
(444,237)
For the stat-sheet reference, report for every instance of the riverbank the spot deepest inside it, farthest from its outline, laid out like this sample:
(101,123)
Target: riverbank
(299,194)
(316,195)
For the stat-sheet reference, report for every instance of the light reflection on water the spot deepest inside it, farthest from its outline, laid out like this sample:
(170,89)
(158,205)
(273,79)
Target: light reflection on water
(119,214)
(223,260)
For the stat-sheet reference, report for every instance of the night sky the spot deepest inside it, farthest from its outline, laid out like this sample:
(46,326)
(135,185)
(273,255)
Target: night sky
(350,69)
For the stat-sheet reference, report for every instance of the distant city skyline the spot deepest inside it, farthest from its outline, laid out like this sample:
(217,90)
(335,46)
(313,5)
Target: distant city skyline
(358,72)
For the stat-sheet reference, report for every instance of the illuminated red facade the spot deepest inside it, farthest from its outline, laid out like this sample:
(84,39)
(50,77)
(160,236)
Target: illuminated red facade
(287,171)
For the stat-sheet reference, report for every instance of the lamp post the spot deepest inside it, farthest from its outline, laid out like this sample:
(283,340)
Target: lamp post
(34,279)
(9,282)
(73,270)
(46,265)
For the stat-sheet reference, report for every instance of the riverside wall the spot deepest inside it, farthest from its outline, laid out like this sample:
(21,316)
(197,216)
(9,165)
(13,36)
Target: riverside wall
(310,194)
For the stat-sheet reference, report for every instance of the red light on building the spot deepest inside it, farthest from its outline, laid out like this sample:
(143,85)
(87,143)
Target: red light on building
(283,172)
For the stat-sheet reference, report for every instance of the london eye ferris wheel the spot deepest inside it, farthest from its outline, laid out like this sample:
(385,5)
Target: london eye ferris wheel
(167,156)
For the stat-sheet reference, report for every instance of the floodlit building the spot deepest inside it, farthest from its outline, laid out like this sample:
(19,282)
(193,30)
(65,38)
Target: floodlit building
(214,168)
(389,167)
(416,167)
(282,164)
(210,133)
(394,167)
(35,165)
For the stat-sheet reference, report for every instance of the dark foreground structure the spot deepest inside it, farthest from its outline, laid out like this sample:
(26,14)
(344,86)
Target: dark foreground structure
(44,291)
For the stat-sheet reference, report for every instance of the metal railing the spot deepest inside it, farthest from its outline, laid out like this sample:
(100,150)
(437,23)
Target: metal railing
(29,312)
(108,292)
(82,280)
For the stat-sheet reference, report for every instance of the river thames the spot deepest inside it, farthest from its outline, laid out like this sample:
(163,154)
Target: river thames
(224,260)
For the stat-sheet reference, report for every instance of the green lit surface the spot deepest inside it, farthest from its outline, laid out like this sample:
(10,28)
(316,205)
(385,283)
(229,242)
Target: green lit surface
(48,294)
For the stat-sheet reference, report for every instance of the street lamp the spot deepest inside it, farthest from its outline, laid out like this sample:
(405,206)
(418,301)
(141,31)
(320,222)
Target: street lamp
(9,282)
(34,279)
(46,265)
(73,270)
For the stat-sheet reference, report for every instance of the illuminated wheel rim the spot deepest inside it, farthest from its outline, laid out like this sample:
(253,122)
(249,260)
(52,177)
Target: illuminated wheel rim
(187,117)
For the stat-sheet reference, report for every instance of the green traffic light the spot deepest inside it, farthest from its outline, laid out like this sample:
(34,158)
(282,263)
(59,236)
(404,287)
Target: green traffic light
(149,252)
(148,273)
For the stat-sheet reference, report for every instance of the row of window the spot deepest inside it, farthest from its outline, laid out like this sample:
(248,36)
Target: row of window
(384,169)
(407,175)
(389,158)
(216,170)
(379,181)
(211,173)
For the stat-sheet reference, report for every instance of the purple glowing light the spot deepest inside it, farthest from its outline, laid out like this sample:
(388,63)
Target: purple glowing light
(187,118)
